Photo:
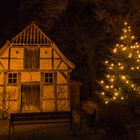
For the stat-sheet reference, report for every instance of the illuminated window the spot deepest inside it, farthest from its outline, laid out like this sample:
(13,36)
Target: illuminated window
(12,78)
(48,78)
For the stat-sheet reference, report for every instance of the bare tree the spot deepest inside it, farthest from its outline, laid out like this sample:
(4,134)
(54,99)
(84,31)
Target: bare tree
(6,95)
(6,98)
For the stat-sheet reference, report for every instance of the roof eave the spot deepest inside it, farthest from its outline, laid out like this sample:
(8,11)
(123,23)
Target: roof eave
(4,46)
(68,62)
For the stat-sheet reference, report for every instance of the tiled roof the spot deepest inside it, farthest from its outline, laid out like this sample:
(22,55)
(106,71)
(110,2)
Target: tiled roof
(31,35)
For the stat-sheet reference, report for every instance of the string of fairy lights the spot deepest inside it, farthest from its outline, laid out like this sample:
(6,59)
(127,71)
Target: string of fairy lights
(122,69)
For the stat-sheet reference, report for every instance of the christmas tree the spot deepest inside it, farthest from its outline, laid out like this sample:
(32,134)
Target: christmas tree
(122,69)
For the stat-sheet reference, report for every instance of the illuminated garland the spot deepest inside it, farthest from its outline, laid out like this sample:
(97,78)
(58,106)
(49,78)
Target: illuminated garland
(122,69)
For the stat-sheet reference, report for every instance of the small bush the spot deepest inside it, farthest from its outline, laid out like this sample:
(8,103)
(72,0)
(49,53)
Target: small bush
(116,116)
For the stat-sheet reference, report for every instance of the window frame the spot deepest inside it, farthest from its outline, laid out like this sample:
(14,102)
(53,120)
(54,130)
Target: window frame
(49,80)
(12,77)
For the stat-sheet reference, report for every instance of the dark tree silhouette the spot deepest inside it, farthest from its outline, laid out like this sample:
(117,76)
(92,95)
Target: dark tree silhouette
(46,11)
(82,28)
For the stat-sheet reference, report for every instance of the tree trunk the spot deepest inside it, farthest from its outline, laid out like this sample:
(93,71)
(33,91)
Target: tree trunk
(91,71)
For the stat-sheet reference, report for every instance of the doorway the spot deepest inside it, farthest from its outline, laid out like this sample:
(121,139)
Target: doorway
(30,98)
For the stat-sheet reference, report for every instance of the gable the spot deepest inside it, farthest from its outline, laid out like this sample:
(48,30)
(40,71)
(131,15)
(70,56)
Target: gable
(33,36)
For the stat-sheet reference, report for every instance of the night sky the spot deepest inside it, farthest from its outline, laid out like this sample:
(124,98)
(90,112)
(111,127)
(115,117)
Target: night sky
(9,18)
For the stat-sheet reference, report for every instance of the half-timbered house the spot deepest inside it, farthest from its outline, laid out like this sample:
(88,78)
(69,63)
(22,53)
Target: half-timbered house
(34,74)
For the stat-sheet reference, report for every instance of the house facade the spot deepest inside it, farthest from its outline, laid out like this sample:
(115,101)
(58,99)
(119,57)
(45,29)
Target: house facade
(34,74)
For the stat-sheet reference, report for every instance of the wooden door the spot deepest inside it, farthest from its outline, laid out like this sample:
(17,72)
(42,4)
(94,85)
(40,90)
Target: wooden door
(30,98)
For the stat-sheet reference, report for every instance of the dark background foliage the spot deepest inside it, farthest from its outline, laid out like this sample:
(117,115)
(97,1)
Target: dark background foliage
(84,30)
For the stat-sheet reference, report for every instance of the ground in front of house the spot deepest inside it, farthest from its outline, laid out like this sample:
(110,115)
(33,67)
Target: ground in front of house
(45,131)
(57,132)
